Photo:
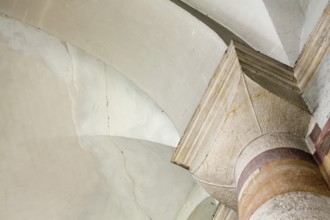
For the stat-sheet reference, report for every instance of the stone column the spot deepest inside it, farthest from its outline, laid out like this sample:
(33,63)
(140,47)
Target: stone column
(246,141)
(277,178)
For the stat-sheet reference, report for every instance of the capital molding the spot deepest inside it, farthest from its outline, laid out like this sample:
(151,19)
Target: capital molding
(238,61)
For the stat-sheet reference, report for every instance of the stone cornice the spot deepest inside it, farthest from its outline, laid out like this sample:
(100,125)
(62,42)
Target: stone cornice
(216,102)
(314,50)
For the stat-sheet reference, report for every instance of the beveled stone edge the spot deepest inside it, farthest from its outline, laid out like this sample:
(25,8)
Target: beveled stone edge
(269,156)
(314,51)
(220,85)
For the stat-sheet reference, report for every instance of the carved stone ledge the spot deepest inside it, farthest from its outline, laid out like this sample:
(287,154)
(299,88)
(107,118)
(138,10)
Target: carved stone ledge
(314,51)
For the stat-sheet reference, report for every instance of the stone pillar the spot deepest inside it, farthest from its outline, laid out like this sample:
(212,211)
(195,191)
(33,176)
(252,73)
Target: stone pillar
(246,141)
(276,177)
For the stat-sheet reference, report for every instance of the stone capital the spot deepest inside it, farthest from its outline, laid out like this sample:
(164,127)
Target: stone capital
(250,95)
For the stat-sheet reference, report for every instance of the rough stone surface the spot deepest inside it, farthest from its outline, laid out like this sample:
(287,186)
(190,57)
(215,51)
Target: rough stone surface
(251,22)
(264,143)
(254,112)
(295,206)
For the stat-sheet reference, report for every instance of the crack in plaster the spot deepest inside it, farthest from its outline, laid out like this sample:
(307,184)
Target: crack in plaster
(132,180)
(70,91)
(106,96)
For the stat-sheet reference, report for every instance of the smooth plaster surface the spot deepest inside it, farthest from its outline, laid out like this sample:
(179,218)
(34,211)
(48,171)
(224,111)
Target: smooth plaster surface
(288,19)
(49,150)
(249,20)
(103,101)
(254,112)
(171,58)
(278,29)
(58,159)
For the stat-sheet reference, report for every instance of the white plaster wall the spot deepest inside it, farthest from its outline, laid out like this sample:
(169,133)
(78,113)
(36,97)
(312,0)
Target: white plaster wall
(312,10)
(248,19)
(288,19)
(57,158)
(104,102)
(164,50)
(107,103)
(141,183)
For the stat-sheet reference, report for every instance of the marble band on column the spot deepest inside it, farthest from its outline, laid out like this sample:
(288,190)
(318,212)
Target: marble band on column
(321,140)
(271,156)
(275,172)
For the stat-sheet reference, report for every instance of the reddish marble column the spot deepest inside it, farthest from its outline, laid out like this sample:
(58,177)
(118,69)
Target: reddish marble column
(277,169)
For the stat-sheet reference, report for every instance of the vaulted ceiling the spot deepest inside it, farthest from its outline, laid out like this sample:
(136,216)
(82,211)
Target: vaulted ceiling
(99,92)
